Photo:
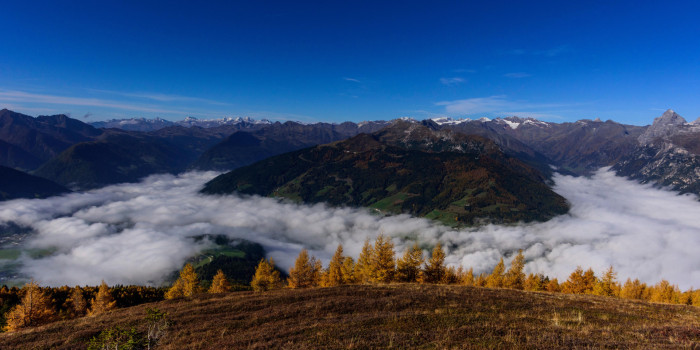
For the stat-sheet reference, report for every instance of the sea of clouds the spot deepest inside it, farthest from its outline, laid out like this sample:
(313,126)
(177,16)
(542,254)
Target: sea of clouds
(139,233)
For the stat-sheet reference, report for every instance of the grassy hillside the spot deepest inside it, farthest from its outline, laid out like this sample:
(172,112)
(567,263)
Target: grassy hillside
(391,316)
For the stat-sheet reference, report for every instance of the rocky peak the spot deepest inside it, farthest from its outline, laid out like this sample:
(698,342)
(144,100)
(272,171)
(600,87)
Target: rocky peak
(667,125)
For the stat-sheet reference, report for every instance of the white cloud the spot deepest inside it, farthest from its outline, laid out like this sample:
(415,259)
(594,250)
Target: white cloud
(517,75)
(352,80)
(452,81)
(138,233)
(500,105)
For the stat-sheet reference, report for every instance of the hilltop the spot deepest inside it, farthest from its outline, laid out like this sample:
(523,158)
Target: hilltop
(391,316)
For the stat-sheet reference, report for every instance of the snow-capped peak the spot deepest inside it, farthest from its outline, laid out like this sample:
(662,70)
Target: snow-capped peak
(450,121)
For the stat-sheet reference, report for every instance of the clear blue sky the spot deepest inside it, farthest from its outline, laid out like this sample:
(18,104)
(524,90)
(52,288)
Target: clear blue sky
(351,60)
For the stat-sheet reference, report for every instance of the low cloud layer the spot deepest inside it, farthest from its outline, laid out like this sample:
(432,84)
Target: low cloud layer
(139,233)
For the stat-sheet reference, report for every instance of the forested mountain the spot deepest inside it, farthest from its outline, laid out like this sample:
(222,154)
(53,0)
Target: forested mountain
(399,169)
(16,184)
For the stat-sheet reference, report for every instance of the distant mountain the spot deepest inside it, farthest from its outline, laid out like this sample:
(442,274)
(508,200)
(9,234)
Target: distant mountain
(16,184)
(459,179)
(124,156)
(27,142)
(668,154)
(145,125)
(246,147)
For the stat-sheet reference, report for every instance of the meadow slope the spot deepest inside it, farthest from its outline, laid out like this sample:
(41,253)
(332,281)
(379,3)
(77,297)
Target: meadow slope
(391,316)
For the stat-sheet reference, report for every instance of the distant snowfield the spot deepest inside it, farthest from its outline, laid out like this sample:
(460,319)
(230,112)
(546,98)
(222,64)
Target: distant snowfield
(138,233)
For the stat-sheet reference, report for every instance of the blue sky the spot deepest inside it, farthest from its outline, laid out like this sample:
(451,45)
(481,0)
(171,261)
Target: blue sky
(351,60)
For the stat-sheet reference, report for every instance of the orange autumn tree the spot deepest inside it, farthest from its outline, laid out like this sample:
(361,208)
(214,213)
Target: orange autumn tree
(34,309)
(497,276)
(78,302)
(363,267)
(408,268)
(515,277)
(186,285)
(383,265)
(220,284)
(305,273)
(334,275)
(103,301)
(266,277)
(580,282)
(434,271)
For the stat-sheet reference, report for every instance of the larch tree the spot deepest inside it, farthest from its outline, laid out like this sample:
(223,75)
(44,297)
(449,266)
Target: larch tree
(434,271)
(363,267)
(495,279)
(333,276)
(383,265)
(220,284)
(186,285)
(103,301)
(607,284)
(78,302)
(634,290)
(408,267)
(34,309)
(535,282)
(266,277)
(664,292)
(553,286)
(468,277)
(301,275)
(515,276)
(580,282)
(349,270)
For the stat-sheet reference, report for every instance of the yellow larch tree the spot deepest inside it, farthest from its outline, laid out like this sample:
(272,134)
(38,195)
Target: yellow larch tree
(495,279)
(186,285)
(302,274)
(219,283)
(434,271)
(553,286)
(103,301)
(363,267)
(383,265)
(78,302)
(266,277)
(349,270)
(607,284)
(515,276)
(408,267)
(634,290)
(333,276)
(34,309)
(579,282)
(468,278)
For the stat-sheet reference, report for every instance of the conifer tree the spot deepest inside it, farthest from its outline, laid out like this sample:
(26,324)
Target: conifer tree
(363,268)
(664,292)
(408,267)
(481,280)
(495,279)
(607,285)
(515,276)
(78,302)
(553,286)
(303,273)
(220,284)
(266,277)
(580,282)
(103,301)
(34,309)
(451,276)
(468,278)
(434,271)
(349,270)
(633,290)
(383,266)
(535,282)
(186,285)
(334,274)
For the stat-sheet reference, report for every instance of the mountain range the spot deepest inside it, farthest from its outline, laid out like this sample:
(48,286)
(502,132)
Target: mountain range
(78,155)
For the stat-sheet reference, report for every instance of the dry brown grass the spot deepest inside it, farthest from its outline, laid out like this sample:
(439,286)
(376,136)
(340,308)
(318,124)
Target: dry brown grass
(392,316)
